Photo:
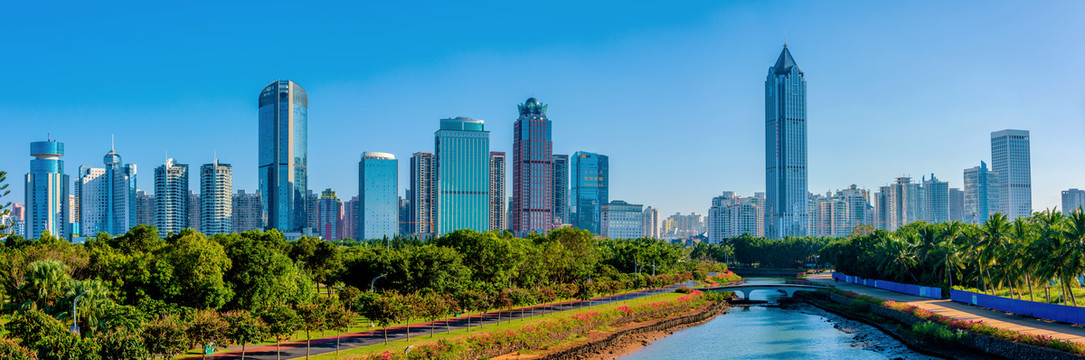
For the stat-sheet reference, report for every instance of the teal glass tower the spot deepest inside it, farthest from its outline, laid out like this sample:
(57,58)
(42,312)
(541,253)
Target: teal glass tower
(462,164)
(283,156)
(47,191)
(590,174)
(786,210)
(378,197)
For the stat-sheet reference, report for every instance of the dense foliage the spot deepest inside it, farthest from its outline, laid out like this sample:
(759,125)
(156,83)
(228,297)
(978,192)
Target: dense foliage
(792,252)
(188,289)
(1042,251)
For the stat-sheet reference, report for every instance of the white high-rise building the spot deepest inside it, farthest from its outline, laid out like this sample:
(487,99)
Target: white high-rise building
(216,198)
(622,220)
(1010,161)
(980,194)
(650,223)
(935,200)
(1072,199)
(732,216)
(837,215)
(171,197)
(247,213)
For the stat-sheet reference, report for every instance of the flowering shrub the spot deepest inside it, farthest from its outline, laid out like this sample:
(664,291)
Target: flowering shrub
(542,334)
(722,278)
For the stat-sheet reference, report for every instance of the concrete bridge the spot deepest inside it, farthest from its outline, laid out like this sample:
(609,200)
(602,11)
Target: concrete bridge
(788,288)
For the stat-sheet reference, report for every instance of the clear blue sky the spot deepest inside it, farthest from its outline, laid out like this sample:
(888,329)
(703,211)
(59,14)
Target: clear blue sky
(672,93)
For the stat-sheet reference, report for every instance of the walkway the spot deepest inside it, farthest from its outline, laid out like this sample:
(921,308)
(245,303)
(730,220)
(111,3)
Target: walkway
(1023,324)
(294,350)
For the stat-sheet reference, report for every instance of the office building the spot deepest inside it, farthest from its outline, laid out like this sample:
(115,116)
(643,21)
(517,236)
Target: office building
(247,212)
(935,200)
(650,223)
(561,189)
(462,165)
(497,191)
(312,212)
(46,192)
(350,218)
(106,197)
(590,179)
(378,197)
(532,171)
(330,210)
(1010,161)
(980,194)
(283,156)
(785,149)
(1073,200)
(216,198)
(956,204)
(622,220)
(171,197)
(144,208)
(899,204)
(423,193)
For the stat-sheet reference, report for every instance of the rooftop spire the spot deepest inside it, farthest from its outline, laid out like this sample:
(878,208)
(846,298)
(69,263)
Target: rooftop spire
(785,62)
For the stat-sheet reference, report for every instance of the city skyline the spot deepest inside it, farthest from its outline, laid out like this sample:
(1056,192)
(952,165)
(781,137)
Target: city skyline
(1015,100)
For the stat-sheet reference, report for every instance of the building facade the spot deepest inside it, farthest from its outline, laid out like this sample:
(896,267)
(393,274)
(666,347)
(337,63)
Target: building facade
(732,216)
(956,205)
(144,208)
(423,194)
(561,189)
(107,197)
(785,149)
(935,200)
(980,194)
(350,217)
(247,212)
(622,220)
(46,192)
(650,223)
(378,198)
(171,197)
(532,170)
(1073,200)
(331,216)
(1011,162)
(283,155)
(497,191)
(590,179)
(462,165)
(216,198)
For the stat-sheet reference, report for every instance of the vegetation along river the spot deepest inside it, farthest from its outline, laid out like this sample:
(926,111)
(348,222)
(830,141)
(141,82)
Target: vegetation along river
(770,332)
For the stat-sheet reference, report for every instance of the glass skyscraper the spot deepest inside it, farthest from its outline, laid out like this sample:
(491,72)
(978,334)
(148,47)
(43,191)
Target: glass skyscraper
(107,197)
(785,150)
(378,196)
(980,194)
(532,170)
(561,189)
(462,164)
(46,192)
(497,191)
(283,157)
(171,197)
(590,190)
(1010,161)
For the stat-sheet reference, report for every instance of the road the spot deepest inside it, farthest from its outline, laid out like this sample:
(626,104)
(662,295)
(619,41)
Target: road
(962,311)
(349,341)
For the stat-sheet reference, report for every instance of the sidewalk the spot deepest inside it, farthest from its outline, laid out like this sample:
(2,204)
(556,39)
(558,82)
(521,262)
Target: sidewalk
(1022,324)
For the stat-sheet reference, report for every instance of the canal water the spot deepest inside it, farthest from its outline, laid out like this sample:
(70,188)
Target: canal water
(769,332)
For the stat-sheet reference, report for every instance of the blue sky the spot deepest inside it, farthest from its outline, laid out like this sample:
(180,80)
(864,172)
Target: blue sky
(672,93)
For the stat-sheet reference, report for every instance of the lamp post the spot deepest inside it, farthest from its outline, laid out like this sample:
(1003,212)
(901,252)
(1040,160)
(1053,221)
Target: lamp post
(371,282)
(75,328)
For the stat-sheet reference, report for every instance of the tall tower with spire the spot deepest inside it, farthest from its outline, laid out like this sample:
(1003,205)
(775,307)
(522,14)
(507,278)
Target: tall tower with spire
(785,149)
(532,170)
(107,196)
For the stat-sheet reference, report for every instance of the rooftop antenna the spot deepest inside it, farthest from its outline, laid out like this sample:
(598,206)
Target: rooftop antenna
(785,39)
(111,142)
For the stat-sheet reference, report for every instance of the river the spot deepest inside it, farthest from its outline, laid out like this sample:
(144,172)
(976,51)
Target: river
(768,332)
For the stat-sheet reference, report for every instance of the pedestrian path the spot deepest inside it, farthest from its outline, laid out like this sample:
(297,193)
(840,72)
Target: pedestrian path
(962,311)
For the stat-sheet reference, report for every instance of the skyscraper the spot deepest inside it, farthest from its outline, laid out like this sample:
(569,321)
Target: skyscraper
(1072,200)
(107,197)
(423,193)
(980,194)
(46,191)
(312,212)
(785,149)
(378,187)
(650,223)
(171,197)
(532,171)
(1010,161)
(590,190)
(462,165)
(331,216)
(899,204)
(622,220)
(935,200)
(283,157)
(497,191)
(561,189)
(247,212)
(956,204)
(216,198)
(144,208)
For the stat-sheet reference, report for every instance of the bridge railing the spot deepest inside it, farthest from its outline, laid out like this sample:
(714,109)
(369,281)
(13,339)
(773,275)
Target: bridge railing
(806,283)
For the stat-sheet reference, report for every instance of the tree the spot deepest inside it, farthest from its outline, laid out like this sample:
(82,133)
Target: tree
(244,328)
(433,307)
(4,205)
(207,327)
(11,350)
(46,283)
(46,336)
(339,318)
(121,344)
(165,336)
(198,266)
(282,322)
(321,258)
(384,310)
(260,273)
(314,317)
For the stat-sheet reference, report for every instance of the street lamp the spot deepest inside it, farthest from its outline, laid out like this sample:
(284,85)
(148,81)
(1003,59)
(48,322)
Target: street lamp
(371,282)
(75,328)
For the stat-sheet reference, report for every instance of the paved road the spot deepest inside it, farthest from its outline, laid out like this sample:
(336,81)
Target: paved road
(350,341)
(962,311)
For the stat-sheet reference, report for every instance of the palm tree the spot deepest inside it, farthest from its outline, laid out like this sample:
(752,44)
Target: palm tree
(992,239)
(1061,261)
(1022,262)
(46,282)
(898,257)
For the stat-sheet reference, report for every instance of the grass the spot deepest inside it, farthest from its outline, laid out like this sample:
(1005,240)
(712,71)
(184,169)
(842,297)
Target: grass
(425,338)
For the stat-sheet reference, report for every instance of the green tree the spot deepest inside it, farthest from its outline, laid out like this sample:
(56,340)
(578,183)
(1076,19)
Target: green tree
(198,268)
(121,344)
(314,317)
(207,327)
(339,318)
(260,273)
(47,281)
(282,322)
(11,350)
(321,258)
(165,336)
(50,339)
(4,205)
(244,328)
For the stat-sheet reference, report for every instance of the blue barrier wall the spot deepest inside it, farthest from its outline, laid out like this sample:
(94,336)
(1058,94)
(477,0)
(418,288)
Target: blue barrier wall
(924,291)
(1070,314)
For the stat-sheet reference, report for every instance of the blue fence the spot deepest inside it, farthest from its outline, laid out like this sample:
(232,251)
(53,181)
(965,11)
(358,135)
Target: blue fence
(930,292)
(1070,314)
